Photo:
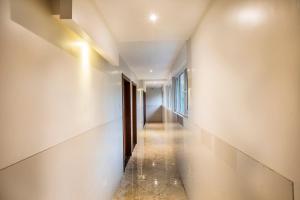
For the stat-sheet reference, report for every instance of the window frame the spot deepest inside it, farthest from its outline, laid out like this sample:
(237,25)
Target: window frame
(178,94)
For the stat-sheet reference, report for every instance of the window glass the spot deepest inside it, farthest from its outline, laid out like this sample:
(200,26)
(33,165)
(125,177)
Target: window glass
(181,97)
(182,93)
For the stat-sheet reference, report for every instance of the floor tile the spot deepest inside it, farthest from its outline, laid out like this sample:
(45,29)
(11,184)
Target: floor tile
(151,173)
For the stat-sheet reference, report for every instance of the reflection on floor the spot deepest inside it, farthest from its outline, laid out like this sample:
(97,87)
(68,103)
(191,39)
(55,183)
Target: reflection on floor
(151,172)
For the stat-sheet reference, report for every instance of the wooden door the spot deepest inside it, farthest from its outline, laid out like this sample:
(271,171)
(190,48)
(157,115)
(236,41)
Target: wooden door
(144,106)
(134,115)
(126,119)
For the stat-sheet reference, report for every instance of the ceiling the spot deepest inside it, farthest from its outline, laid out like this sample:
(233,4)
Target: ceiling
(147,46)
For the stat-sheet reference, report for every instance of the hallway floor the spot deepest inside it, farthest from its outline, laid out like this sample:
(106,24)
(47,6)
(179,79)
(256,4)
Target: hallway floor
(151,173)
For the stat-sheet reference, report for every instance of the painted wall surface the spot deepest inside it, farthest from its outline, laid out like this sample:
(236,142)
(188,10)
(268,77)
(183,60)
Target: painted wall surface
(154,102)
(140,110)
(88,166)
(244,71)
(213,169)
(61,110)
(88,17)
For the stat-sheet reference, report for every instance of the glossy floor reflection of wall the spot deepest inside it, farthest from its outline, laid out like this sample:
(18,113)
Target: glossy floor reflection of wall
(151,173)
(212,169)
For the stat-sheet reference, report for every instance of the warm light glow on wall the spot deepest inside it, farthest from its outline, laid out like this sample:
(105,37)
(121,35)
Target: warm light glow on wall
(250,15)
(84,53)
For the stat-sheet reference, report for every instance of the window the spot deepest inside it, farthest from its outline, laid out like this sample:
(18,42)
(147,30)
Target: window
(181,93)
(168,96)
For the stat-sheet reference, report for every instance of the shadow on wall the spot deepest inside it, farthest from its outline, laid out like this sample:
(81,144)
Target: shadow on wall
(154,114)
(154,109)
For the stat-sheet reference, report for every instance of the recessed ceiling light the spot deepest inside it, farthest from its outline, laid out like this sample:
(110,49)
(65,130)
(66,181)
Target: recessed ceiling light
(153,17)
(151,70)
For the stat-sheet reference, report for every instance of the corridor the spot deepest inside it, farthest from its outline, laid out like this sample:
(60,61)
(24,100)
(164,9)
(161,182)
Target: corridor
(151,173)
(149,100)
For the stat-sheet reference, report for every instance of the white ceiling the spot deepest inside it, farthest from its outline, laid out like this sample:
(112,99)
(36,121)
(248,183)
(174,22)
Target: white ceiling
(145,45)
(155,84)
(155,55)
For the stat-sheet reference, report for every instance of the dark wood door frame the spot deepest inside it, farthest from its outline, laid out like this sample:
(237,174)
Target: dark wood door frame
(144,107)
(134,115)
(126,102)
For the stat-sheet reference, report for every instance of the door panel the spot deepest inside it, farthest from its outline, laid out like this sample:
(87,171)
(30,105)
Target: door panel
(126,120)
(144,107)
(134,116)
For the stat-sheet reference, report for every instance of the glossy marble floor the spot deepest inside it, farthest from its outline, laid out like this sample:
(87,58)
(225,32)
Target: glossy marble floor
(151,173)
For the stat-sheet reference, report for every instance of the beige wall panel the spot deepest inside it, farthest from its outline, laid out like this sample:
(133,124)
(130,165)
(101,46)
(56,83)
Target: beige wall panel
(86,167)
(244,71)
(53,91)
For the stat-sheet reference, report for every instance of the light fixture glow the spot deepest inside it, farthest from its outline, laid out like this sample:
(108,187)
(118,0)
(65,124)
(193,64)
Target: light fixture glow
(84,53)
(151,70)
(251,15)
(153,17)
(175,182)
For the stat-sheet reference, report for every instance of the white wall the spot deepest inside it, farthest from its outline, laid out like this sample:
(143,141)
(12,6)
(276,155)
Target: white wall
(61,118)
(244,90)
(88,18)
(154,102)
(140,110)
